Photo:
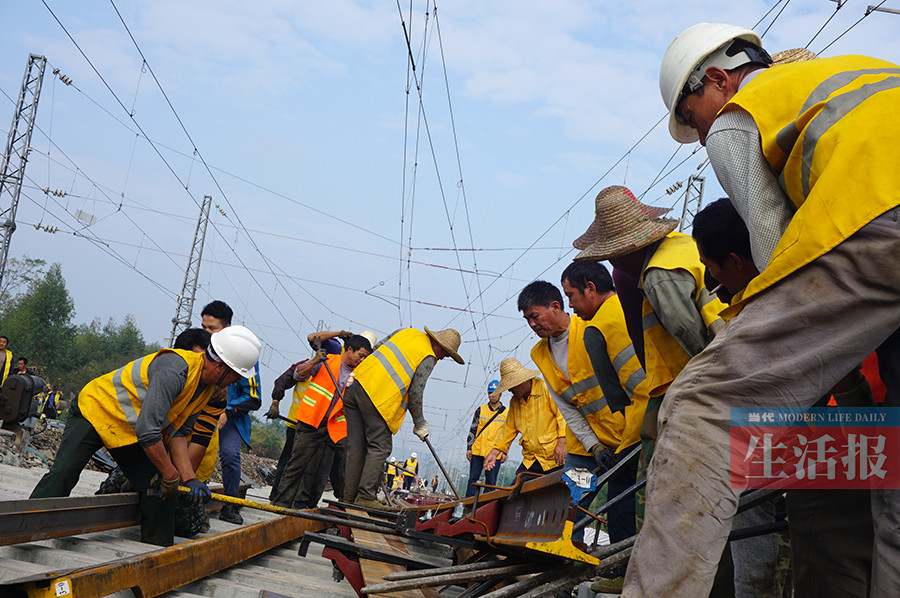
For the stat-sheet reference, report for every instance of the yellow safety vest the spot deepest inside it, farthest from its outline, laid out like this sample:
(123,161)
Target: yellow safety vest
(6,365)
(385,374)
(829,130)
(582,390)
(410,466)
(610,321)
(113,401)
(663,356)
(486,438)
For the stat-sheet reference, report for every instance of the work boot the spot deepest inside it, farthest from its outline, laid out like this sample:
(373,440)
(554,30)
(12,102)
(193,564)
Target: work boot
(368,503)
(230,514)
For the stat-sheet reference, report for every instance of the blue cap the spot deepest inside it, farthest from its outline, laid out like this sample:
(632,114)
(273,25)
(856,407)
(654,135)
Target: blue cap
(492,386)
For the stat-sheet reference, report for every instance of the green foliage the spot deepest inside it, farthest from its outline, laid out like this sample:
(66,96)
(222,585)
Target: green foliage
(267,438)
(38,322)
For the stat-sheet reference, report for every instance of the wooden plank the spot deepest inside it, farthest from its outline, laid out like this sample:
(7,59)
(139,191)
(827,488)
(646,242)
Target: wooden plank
(374,571)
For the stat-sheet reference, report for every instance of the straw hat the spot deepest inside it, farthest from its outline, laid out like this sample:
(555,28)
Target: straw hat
(449,340)
(795,55)
(513,373)
(621,225)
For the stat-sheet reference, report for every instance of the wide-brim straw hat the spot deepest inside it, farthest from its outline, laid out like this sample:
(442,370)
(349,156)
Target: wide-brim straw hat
(449,340)
(621,225)
(513,373)
(794,55)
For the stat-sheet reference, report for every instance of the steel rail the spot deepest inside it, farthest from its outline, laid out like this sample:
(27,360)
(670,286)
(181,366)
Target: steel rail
(34,519)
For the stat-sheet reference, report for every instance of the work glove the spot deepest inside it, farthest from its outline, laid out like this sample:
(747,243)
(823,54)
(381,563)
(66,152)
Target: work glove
(273,413)
(320,356)
(421,430)
(163,489)
(199,491)
(345,334)
(603,456)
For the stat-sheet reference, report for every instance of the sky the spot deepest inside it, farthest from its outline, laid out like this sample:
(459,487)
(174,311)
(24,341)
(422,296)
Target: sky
(351,191)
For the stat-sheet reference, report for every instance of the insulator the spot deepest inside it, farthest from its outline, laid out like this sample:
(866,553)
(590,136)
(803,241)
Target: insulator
(674,188)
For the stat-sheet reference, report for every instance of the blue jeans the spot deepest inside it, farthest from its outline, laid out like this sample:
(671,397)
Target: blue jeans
(230,457)
(476,465)
(620,520)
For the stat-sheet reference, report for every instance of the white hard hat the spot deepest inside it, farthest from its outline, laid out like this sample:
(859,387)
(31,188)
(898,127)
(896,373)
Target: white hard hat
(369,336)
(686,59)
(391,459)
(238,347)
(414,455)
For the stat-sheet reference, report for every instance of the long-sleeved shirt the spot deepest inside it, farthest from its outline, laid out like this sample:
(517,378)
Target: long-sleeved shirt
(540,423)
(167,375)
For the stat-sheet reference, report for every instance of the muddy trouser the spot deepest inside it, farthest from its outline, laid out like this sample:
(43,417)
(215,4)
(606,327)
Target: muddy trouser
(282,460)
(332,464)
(756,559)
(369,444)
(305,455)
(786,348)
(79,441)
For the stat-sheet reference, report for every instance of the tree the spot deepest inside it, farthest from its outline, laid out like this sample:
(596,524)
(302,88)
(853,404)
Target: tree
(19,274)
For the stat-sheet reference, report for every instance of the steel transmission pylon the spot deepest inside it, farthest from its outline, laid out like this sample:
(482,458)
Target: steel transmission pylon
(15,156)
(191,274)
(693,201)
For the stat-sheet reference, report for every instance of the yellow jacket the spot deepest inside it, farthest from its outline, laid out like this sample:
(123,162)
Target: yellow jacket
(113,401)
(539,422)
(6,365)
(385,374)
(829,130)
(583,390)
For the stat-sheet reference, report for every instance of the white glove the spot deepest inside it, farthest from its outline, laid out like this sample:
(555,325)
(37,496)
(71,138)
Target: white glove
(421,431)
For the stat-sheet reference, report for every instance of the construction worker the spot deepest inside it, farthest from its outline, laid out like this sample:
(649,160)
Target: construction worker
(234,423)
(282,384)
(320,421)
(22,367)
(813,145)
(831,529)
(389,382)
(135,410)
(434,484)
(486,424)
(6,355)
(390,470)
(534,415)
(589,289)
(410,470)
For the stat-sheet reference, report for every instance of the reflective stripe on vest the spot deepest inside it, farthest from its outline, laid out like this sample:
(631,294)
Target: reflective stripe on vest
(112,402)
(828,128)
(663,356)
(585,394)
(486,437)
(385,375)
(319,396)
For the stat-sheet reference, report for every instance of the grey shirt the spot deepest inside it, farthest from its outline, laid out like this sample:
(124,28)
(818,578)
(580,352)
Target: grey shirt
(167,376)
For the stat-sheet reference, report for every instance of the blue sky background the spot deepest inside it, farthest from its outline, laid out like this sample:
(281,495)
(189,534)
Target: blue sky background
(339,203)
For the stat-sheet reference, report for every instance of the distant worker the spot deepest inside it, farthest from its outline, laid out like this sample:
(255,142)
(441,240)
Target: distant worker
(390,470)
(320,422)
(6,356)
(234,423)
(410,470)
(434,484)
(134,421)
(22,363)
(533,414)
(489,419)
(389,382)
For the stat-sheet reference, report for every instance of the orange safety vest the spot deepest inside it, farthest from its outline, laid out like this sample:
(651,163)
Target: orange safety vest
(317,398)
(663,356)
